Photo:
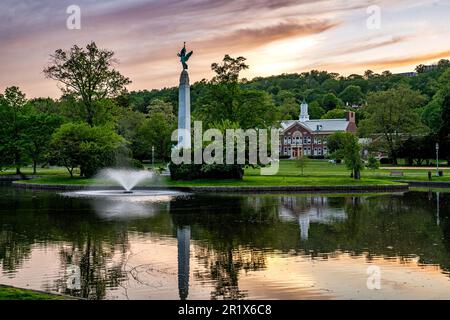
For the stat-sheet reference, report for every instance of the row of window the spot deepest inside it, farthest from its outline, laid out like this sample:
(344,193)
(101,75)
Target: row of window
(300,141)
(307,151)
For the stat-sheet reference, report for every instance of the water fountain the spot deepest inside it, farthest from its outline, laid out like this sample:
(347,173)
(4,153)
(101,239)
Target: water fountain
(127,179)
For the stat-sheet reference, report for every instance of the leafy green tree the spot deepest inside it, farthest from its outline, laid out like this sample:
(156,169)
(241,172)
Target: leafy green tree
(444,131)
(315,110)
(392,115)
(255,110)
(330,102)
(373,163)
(302,163)
(90,148)
(336,143)
(38,132)
(225,100)
(228,72)
(335,114)
(352,95)
(89,75)
(345,146)
(155,131)
(14,145)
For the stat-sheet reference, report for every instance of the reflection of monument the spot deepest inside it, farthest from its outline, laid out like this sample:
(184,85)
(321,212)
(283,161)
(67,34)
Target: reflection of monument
(184,103)
(184,254)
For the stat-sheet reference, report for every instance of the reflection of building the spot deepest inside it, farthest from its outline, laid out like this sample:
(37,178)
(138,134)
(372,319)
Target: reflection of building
(184,255)
(307,210)
(305,137)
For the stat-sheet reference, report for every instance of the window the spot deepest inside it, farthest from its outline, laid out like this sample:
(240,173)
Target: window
(289,140)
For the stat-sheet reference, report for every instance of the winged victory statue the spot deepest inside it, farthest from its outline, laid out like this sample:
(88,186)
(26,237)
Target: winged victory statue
(184,58)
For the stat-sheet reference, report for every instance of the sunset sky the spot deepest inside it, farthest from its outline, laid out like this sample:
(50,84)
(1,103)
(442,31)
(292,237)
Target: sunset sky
(277,36)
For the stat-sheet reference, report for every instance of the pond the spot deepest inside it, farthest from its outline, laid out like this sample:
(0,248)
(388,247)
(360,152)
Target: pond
(234,246)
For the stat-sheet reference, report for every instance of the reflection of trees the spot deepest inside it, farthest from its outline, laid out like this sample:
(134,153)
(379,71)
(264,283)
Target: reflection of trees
(14,249)
(94,258)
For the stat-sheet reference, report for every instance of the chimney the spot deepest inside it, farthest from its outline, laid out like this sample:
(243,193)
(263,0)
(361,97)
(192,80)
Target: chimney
(351,117)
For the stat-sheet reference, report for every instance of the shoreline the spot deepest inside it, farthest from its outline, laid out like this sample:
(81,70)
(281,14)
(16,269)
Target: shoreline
(400,187)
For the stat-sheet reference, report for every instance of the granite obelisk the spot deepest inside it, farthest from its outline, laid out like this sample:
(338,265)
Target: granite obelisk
(184,103)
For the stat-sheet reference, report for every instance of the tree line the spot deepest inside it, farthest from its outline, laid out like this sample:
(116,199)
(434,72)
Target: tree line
(96,122)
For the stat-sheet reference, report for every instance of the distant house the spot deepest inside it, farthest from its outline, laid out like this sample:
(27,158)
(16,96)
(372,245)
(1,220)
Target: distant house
(309,137)
(407,74)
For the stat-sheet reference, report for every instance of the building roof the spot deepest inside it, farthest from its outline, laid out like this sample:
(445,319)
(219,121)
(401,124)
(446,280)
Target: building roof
(329,125)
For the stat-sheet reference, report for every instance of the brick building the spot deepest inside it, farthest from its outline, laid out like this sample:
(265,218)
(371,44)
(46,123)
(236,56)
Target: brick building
(309,137)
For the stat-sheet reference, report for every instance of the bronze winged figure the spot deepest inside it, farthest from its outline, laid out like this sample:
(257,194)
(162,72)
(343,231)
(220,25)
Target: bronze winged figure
(184,58)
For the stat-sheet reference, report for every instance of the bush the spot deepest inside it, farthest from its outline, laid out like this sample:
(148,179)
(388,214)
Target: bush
(203,171)
(373,163)
(386,161)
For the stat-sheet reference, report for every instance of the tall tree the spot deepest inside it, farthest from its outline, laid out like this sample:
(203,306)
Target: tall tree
(352,95)
(38,132)
(88,74)
(444,132)
(225,100)
(12,112)
(393,115)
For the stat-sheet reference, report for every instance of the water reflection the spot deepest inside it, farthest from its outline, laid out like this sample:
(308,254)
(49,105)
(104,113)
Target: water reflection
(309,210)
(224,247)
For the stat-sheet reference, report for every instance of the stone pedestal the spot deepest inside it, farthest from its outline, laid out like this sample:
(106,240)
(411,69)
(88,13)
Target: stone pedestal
(184,112)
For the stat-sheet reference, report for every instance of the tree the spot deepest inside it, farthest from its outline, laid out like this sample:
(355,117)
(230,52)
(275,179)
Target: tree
(38,132)
(345,146)
(88,74)
(330,102)
(14,144)
(373,163)
(155,131)
(335,114)
(302,163)
(223,99)
(90,148)
(255,109)
(315,110)
(392,114)
(336,143)
(444,131)
(352,95)
(352,156)
(228,72)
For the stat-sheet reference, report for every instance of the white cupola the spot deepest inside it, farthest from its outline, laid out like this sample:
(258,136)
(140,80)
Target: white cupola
(304,115)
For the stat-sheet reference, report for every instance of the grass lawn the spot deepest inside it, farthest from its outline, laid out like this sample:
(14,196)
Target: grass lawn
(8,293)
(317,173)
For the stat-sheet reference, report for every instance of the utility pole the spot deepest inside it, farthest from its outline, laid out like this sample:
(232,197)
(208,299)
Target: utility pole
(437,159)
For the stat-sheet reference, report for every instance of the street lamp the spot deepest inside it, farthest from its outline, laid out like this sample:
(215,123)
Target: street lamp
(437,159)
(153,158)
